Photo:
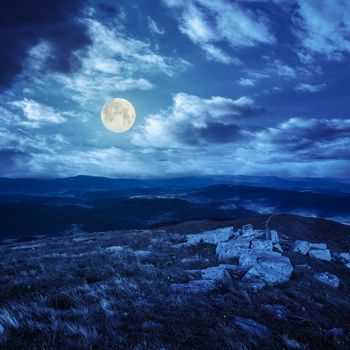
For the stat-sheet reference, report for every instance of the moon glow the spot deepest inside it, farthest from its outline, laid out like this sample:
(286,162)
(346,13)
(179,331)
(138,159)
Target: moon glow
(118,115)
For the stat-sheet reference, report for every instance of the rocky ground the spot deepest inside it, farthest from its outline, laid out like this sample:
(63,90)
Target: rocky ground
(280,282)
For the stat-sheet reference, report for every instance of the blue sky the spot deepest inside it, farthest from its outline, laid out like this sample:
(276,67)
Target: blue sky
(219,86)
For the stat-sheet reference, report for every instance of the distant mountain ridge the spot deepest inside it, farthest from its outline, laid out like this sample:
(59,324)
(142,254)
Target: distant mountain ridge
(92,183)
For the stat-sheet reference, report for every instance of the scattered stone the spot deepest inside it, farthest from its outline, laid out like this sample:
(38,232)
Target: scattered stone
(252,327)
(345,257)
(248,258)
(115,249)
(301,247)
(261,244)
(248,231)
(327,278)
(232,249)
(218,272)
(324,254)
(271,270)
(347,265)
(212,237)
(278,311)
(194,287)
(318,246)
(278,247)
(274,237)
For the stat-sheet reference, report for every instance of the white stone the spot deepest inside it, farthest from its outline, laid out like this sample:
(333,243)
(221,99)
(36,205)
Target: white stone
(271,270)
(218,272)
(261,244)
(324,254)
(212,237)
(250,257)
(347,265)
(327,278)
(344,256)
(318,246)
(274,236)
(232,249)
(301,247)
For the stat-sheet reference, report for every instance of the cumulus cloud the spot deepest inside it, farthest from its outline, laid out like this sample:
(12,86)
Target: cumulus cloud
(246,82)
(301,140)
(208,23)
(323,27)
(193,121)
(113,62)
(36,113)
(304,87)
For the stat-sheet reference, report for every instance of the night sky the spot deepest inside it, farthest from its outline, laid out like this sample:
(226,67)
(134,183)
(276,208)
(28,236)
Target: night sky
(251,87)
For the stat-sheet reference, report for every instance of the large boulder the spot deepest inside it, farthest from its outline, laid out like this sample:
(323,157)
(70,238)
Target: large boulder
(232,249)
(323,254)
(249,258)
(318,246)
(301,247)
(327,278)
(270,269)
(219,272)
(261,244)
(213,237)
(252,327)
(194,287)
(247,231)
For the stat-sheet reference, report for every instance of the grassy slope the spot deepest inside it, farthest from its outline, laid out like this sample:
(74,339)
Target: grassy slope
(76,293)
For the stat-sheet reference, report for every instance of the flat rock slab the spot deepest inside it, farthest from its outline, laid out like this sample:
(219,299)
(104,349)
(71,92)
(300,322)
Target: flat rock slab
(318,246)
(252,327)
(324,254)
(219,272)
(212,237)
(249,258)
(328,279)
(194,287)
(262,244)
(271,270)
(232,249)
(301,247)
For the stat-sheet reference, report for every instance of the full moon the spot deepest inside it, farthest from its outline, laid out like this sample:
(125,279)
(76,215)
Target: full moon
(118,115)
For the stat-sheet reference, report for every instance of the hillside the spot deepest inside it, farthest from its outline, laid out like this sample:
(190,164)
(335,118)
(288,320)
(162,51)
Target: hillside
(124,290)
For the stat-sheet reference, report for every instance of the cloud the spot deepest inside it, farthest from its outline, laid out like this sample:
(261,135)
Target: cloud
(304,87)
(193,121)
(154,27)
(246,82)
(25,23)
(37,113)
(323,27)
(113,62)
(301,140)
(210,23)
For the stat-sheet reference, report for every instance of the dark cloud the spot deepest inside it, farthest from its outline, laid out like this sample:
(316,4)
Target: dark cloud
(23,23)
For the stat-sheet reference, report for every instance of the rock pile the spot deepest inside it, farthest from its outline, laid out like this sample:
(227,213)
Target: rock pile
(315,250)
(258,253)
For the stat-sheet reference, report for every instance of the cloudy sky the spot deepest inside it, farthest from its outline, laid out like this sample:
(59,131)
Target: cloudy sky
(219,86)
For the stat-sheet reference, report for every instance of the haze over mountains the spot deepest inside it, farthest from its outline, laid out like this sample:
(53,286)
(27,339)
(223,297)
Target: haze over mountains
(31,207)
